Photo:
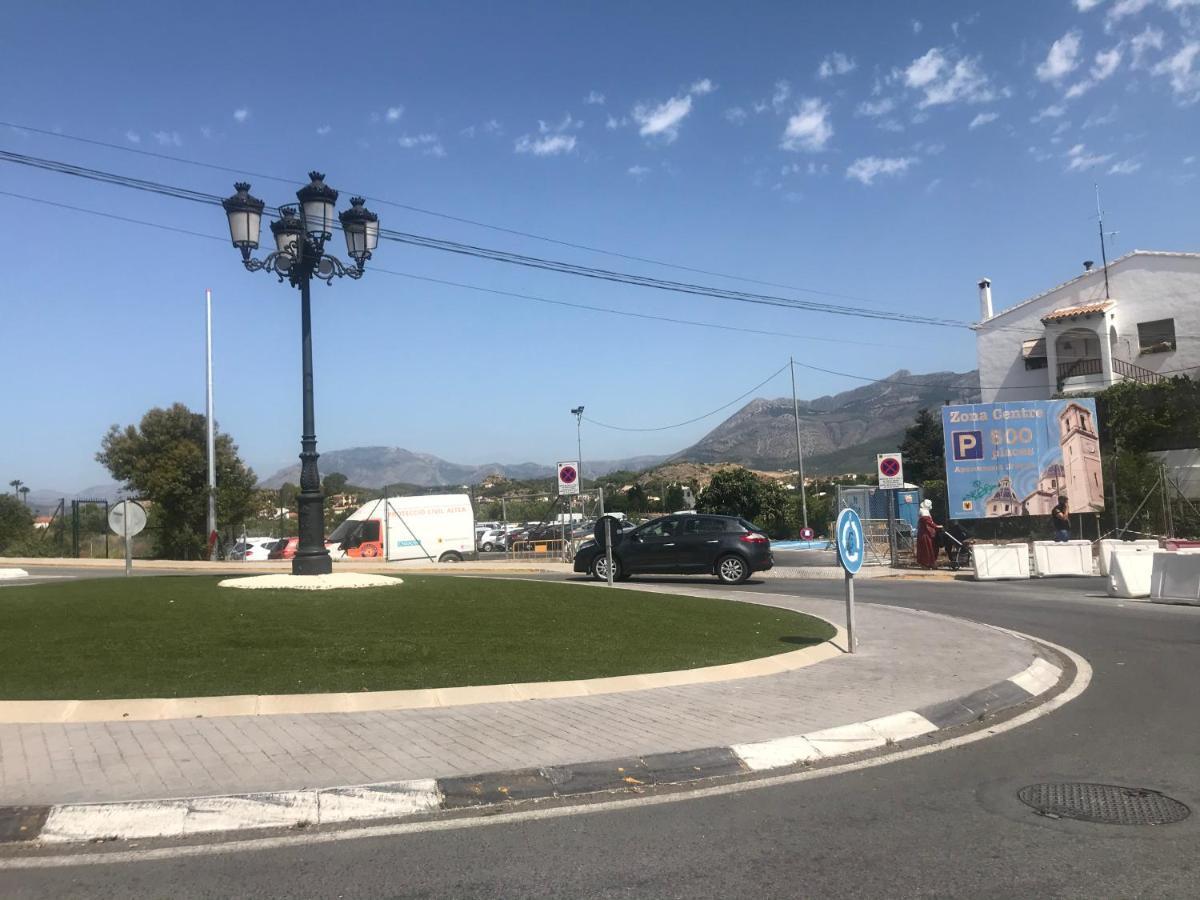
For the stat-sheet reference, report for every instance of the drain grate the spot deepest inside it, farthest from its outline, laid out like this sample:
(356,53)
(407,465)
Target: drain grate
(1109,804)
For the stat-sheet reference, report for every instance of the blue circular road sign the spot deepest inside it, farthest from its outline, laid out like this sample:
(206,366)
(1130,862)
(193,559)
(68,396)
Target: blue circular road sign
(851,545)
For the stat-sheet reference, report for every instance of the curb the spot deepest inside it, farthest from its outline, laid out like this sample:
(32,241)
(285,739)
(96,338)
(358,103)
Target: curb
(188,817)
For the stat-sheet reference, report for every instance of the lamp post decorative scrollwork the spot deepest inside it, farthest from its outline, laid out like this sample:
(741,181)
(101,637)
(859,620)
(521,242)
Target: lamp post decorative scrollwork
(300,234)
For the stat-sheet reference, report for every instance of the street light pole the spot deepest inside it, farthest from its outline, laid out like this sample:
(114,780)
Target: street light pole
(799,451)
(577,412)
(300,236)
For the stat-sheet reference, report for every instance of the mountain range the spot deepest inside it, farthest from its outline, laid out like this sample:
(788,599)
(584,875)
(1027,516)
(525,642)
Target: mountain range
(839,433)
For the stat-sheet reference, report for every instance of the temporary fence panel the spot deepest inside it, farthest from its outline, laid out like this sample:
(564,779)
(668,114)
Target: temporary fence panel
(1130,573)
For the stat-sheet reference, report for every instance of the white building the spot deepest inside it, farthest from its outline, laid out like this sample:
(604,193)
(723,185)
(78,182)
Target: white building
(1078,337)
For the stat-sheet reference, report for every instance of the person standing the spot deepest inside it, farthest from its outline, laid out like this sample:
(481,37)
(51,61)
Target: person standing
(1061,521)
(927,536)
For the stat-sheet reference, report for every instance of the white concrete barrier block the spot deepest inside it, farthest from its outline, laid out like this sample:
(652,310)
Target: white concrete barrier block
(1107,547)
(996,561)
(1062,558)
(1129,573)
(1175,577)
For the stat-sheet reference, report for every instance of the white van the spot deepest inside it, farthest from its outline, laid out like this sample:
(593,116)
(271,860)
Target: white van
(437,528)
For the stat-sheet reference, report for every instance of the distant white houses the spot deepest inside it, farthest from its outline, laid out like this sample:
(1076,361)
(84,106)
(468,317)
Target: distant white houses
(1082,336)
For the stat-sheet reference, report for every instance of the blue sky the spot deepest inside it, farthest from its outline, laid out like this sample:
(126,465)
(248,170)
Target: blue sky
(893,153)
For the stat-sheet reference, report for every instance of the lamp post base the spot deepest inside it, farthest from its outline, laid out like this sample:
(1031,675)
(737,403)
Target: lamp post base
(318,564)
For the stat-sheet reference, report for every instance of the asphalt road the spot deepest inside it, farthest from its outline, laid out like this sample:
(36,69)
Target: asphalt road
(943,825)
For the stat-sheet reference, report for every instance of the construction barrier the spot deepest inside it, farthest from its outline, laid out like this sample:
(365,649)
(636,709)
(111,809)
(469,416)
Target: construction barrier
(1129,573)
(996,561)
(1176,577)
(1062,558)
(1108,547)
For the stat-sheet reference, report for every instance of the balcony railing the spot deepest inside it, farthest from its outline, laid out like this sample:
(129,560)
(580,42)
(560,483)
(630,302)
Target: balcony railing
(1136,373)
(1075,367)
(1095,366)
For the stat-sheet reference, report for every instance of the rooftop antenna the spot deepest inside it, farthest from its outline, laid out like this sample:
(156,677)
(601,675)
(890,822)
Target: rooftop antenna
(1103,250)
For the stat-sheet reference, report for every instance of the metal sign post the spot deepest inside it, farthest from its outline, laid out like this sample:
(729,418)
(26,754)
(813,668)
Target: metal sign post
(127,519)
(608,548)
(850,547)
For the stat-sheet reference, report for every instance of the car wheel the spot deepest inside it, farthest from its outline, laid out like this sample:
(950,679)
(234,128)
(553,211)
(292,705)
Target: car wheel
(450,556)
(732,569)
(487,548)
(600,568)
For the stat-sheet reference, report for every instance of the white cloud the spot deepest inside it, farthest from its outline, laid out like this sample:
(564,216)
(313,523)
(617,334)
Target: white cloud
(1095,120)
(1054,111)
(1062,58)
(783,90)
(836,64)
(1106,63)
(548,145)
(868,168)
(1079,160)
(702,87)
(983,119)
(324,130)
(664,119)
(1123,8)
(594,98)
(1180,69)
(1188,160)
(206,133)
(944,82)
(1149,39)
(917,26)
(809,129)
(736,115)
(491,126)
(133,137)
(612,122)
(241,115)
(638,171)
(429,144)
(880,107)
(1085,5)
(393,113)
(924,69)
(168,138)
(1125,167)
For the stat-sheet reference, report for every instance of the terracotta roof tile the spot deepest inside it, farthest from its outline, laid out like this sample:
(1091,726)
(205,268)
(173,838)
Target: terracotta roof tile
(1083,309)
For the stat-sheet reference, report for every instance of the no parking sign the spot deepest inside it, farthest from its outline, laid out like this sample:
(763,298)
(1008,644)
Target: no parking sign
(568,478)
(891,470)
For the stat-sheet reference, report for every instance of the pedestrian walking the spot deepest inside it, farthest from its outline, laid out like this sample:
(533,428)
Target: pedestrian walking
(927,536)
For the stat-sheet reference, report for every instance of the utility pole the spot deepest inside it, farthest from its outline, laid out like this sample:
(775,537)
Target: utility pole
(211,536)
(799,451)
(1103,251)
(577,412)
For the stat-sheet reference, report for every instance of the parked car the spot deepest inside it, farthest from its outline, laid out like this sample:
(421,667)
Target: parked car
(726,546)
(493,539)
(252,549)
(285,548)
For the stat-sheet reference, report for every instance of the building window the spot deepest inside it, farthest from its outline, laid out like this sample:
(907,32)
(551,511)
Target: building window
(1034,353)
(1157,336)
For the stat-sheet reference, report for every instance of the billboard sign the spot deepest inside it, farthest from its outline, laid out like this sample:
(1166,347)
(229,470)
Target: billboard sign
(1018,458)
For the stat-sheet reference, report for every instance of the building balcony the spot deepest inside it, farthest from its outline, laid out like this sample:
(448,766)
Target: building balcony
(1076,376)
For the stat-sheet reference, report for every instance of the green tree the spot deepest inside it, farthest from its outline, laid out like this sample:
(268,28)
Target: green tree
(739,492)
(16,521)
(288,493)
(334,483)
(924,449)
(635,499)
(163,460)
(674,498)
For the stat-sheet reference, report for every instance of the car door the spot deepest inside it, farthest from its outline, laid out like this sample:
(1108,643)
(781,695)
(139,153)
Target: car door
(700,543)
(653,547)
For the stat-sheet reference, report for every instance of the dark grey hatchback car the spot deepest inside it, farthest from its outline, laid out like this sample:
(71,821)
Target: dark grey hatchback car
(684,544)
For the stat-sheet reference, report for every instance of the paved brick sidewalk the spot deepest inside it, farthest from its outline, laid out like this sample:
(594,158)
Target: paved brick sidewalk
(906,660)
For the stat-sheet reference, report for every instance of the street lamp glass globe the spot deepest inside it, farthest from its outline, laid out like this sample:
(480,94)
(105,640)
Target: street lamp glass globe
(288,231)
(245,217)
(317,203)
(361,227)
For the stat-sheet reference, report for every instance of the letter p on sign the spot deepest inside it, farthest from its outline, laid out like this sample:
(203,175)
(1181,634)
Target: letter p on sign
(968,444)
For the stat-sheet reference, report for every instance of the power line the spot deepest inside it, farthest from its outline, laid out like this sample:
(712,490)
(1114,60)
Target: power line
(723,406)
(502,255)
(429,212)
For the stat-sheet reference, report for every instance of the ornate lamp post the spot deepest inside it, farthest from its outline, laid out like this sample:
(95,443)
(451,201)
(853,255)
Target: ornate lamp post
(299,256)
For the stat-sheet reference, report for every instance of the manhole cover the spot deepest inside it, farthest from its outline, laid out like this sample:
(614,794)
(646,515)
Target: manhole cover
(1109,804)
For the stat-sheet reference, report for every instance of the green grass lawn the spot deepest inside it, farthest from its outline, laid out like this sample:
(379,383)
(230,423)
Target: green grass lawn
(185,637)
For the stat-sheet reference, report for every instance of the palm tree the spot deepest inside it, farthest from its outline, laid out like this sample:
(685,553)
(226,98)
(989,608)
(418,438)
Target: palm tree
(15,484)
(25,493)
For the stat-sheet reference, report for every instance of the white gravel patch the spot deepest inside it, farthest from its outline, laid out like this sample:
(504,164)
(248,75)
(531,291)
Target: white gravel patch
(13,573)
(334,581)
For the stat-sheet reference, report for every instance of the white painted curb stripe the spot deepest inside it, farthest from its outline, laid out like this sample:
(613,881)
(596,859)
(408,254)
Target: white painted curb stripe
(830,742)
(180,818)
(1038,678)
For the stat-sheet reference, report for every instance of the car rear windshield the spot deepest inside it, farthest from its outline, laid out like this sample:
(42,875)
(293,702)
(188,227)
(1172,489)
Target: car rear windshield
(750,526)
